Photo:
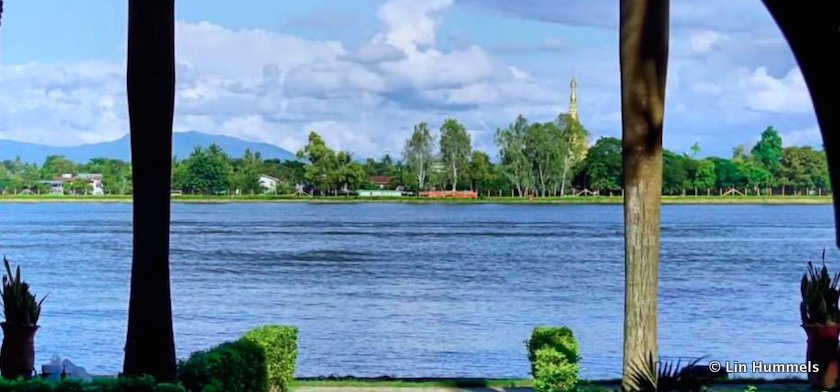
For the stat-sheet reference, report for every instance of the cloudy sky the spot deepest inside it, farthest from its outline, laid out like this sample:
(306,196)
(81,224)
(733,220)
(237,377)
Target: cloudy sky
(362,72)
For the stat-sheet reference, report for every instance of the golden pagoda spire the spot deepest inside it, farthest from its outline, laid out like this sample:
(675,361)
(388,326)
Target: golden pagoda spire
(573,112)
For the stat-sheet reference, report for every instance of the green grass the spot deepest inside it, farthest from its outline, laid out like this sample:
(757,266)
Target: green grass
(413,382)
(731,385)
(488,200)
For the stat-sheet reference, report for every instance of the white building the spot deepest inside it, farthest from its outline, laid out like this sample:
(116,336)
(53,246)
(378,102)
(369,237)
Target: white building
(268,183)
(95,181)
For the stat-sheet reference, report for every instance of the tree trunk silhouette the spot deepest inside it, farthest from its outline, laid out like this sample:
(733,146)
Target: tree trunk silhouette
(644,62)
(812,32)
(150,346)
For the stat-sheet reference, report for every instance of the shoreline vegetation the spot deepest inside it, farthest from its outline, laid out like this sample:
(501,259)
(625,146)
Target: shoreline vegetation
(581,200)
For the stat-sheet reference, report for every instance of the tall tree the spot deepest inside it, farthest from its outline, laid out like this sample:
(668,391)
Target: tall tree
(768,150)
(246,172)
(515,164)
(56,165)
(643,53)
(322,162)
(347,174)
(455,147)
(543,149)
(704,175)
(419,153)
(574,138)
(601,169)
(480,171)
(150,344)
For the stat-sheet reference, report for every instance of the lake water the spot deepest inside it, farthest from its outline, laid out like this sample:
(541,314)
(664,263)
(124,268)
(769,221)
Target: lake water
(423,290)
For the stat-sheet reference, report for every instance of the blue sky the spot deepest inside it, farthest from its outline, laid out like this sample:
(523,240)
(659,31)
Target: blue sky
(363,72)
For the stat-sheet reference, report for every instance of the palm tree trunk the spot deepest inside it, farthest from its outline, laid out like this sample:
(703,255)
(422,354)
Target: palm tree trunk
(150,346)
(644,62)
(811,31)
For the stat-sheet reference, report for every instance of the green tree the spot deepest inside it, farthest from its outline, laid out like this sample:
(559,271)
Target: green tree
(804,168)
(543,149)
(245,174)
(455,147)
(602,169)
(574,138)
(79,187)
(768,151)
(348,175)
(419,153)
(515,165)
(56,165)
(704,175)
(727,174)
(205,171)
(321,162)
(116,174)
(480,171)
(674,174)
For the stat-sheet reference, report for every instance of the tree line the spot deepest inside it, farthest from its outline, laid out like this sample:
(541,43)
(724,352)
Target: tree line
(540,159)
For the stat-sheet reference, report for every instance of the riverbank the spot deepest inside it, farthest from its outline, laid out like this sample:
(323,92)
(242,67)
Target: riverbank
(409,200)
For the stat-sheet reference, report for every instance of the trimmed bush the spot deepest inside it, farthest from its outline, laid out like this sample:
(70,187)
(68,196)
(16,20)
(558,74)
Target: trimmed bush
(166,387)
(553,354)
(554,372)
(280,345)
(144,383)
(230,367)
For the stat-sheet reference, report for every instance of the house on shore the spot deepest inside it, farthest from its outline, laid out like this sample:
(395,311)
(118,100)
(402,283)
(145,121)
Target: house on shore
(380,182)
(268,183)
(59,184)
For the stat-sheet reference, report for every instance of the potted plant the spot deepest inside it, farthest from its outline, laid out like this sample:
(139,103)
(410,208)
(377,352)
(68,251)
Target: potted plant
(821,321)
(21,310)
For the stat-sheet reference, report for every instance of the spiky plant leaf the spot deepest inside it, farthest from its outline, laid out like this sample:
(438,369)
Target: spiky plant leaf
(20,306)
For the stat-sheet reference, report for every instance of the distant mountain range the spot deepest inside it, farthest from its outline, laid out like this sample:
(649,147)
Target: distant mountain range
(182,144)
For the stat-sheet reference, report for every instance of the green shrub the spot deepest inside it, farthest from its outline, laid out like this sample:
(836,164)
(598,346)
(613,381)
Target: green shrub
(280,345)
(21,385)
(69,386)
(144,383)
(553,354)
(230,367)
(119,384)
(553,371)
(166,387)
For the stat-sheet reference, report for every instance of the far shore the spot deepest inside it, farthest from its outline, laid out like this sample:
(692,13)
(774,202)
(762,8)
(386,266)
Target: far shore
(825,199)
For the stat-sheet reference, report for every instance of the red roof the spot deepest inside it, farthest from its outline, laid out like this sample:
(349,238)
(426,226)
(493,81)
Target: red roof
(379,179)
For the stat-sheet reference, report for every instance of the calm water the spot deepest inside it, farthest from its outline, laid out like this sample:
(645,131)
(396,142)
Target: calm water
(422,290)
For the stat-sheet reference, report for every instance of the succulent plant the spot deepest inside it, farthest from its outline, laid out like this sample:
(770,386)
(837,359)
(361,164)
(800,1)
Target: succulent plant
(19,305)
(819,296)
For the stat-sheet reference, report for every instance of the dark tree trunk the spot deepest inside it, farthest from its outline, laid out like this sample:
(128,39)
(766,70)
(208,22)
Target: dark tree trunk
(150,346)
(811,29)
(644,63)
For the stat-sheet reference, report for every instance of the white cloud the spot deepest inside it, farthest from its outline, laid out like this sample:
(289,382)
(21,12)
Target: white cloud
(808,136)
(788,94)
(703,41)
(410,24)
(274,87)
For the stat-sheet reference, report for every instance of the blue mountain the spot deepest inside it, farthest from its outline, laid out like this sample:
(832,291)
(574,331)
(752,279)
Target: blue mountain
(182,144)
